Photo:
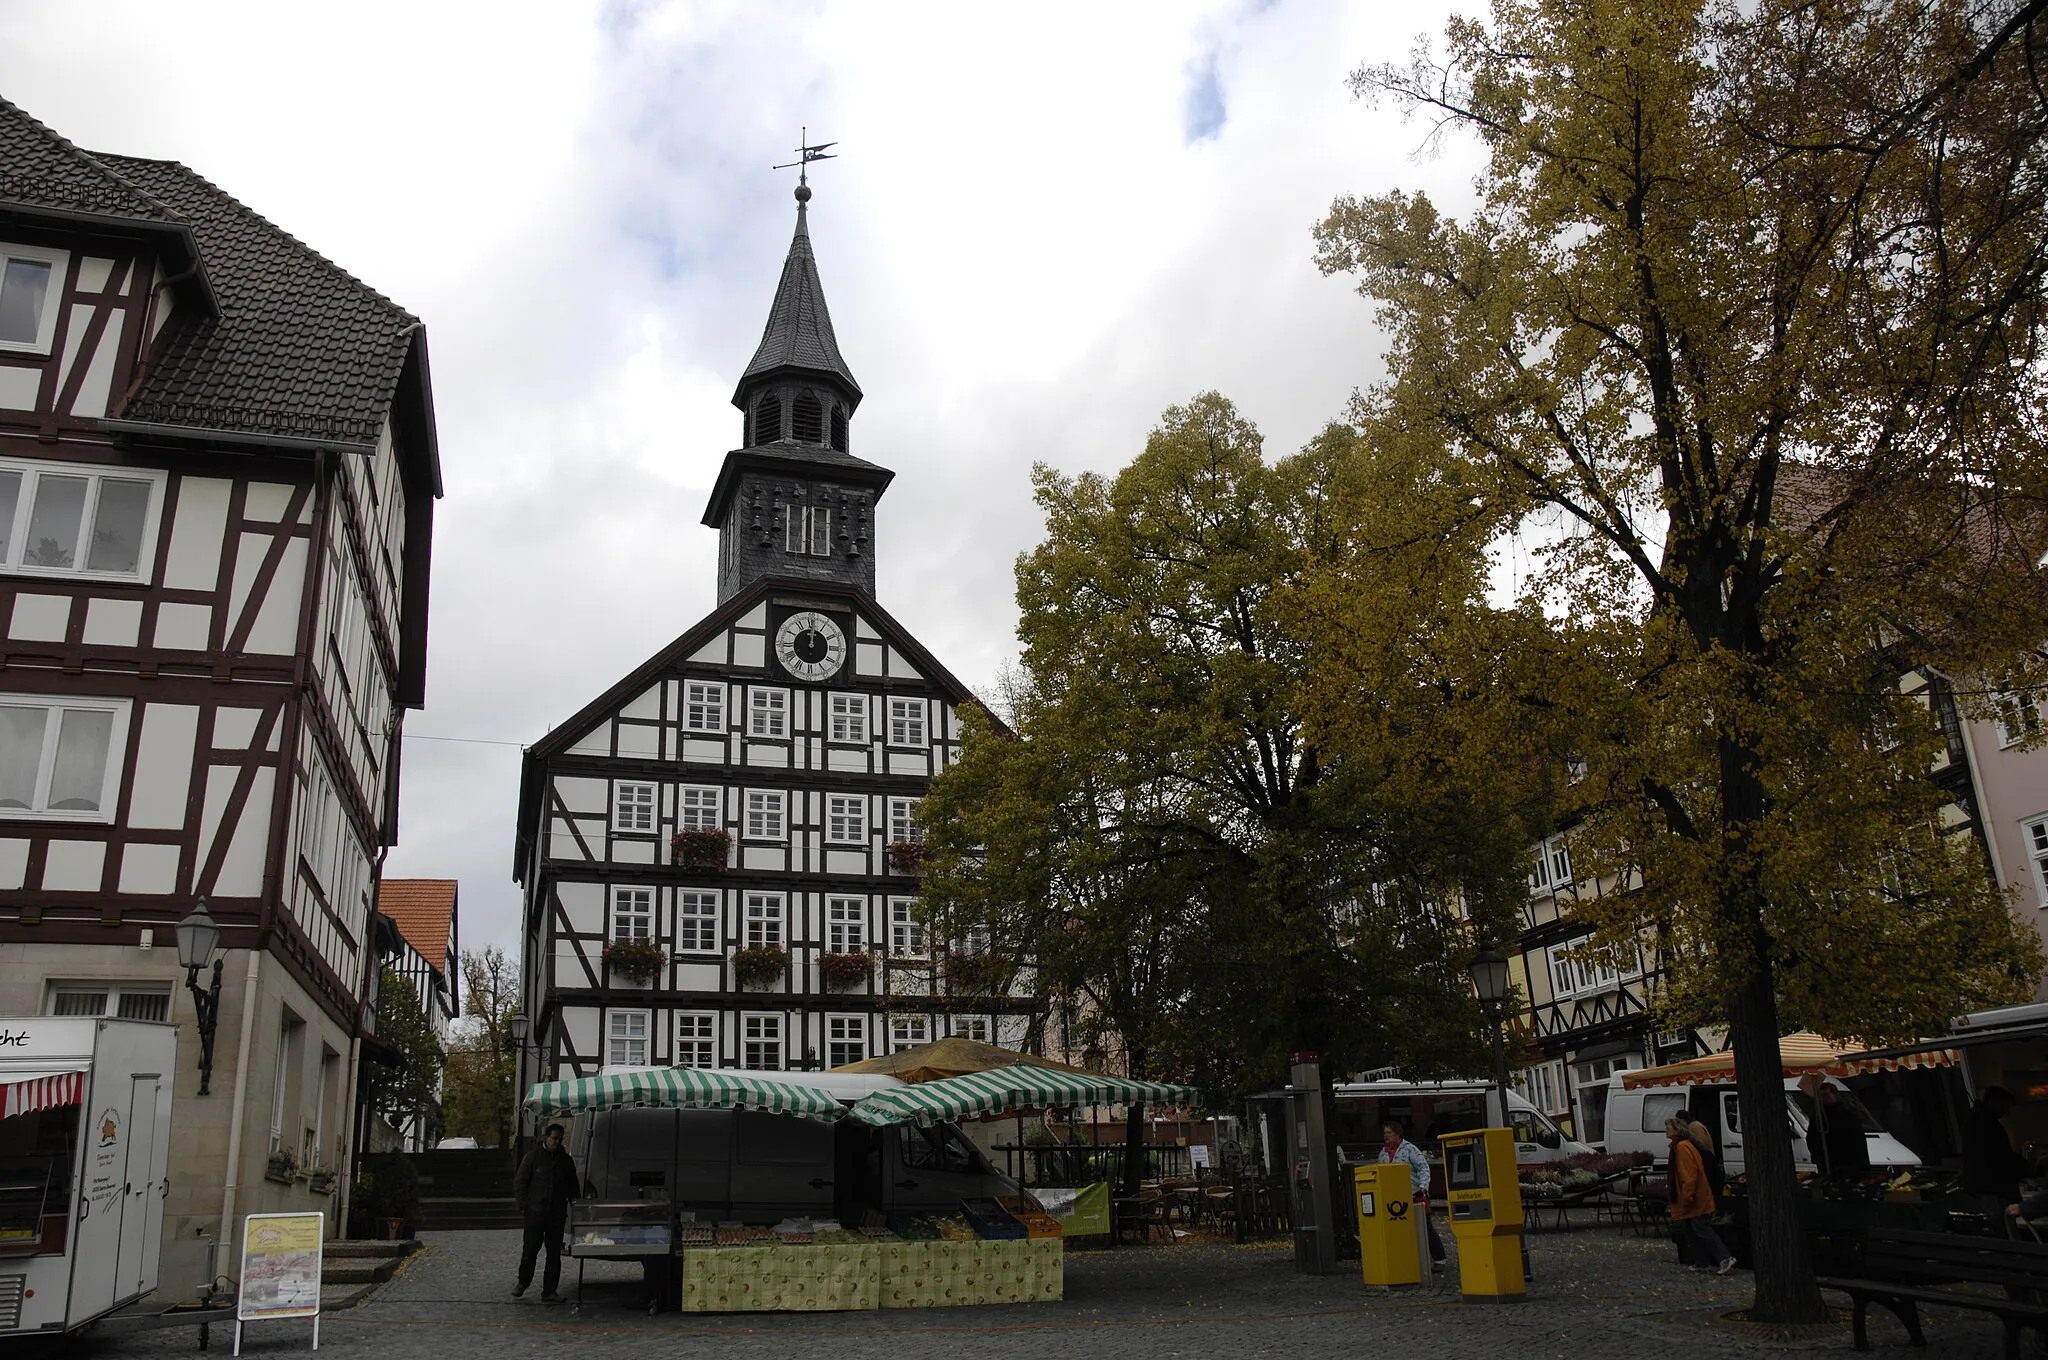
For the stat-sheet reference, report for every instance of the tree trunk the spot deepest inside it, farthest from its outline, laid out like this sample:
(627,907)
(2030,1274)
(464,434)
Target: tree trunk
(1134,1149)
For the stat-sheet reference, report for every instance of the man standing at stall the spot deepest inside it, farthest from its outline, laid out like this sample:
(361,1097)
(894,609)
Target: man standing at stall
(543,1186)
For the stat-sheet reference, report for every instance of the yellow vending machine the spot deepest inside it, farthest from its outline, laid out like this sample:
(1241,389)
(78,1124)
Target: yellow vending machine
(1387,1226)
(1486,1212)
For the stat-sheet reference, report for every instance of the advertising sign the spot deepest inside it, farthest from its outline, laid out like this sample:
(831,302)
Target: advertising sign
(280,1270)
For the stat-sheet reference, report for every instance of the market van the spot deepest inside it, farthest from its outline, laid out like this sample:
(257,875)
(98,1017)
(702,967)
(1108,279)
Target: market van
(755,1167)
(1427,1110)
(1636,1115)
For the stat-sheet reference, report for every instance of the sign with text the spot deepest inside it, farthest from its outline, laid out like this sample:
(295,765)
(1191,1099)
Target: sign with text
(280,1266)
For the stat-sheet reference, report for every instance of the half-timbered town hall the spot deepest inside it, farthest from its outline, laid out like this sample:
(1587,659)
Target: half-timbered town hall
(720,852)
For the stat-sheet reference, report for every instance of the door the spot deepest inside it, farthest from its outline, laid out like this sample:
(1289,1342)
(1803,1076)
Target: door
(142,1196)
(102,1192)
(1732,1161)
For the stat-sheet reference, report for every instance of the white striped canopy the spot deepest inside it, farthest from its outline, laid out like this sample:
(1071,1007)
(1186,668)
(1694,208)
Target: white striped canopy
(1011,1088)
(46,1090)
(688,1088)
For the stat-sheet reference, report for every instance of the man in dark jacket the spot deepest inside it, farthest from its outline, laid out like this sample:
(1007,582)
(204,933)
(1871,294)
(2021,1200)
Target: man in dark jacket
(1991,1168)
(543,1186)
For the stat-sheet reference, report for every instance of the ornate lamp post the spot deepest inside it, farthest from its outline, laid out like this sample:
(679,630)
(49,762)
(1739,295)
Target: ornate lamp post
(198,937)
(1490,980)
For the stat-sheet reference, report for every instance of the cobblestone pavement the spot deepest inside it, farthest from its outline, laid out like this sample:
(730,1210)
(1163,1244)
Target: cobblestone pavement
(1597,1293)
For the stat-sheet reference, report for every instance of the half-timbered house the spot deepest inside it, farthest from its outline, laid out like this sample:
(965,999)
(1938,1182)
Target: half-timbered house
(719,854)
(217,475)
(428,960)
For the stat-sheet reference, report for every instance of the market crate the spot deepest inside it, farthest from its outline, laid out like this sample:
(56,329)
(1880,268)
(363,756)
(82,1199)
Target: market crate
(991,1221)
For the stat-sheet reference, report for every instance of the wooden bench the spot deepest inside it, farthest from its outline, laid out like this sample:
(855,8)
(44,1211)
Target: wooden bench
(1900,1270)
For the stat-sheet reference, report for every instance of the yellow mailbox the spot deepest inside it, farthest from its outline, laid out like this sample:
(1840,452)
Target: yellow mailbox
(1486,1212)
(1381,1192)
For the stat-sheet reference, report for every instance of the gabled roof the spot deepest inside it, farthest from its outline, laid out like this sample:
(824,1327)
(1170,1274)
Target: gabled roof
(39,169)
(798,337)
(568,733)
(423,909)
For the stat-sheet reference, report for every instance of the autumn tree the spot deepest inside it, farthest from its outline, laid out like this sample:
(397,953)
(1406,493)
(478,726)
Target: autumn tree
(1743,333)
(408,1093)
(479,1100)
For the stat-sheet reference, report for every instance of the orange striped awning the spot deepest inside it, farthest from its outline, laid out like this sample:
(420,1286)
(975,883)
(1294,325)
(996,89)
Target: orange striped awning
(1799,1053)
(26,1094)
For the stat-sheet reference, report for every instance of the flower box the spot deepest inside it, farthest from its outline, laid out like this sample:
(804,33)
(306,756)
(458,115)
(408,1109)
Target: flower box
(282,1168)
(635,960)
(760,968)
(971,975)
(906,857)
(845,970)
(705,851)
(321,1182)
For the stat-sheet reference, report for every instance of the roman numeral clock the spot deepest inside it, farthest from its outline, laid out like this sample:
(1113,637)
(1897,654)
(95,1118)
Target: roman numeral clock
(810,646)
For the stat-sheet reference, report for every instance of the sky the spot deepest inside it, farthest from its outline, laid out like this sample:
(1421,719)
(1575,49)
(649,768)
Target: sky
(1047,223)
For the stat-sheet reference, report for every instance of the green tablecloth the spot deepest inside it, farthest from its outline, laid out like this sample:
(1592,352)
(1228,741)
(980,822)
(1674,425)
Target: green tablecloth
(883,1274)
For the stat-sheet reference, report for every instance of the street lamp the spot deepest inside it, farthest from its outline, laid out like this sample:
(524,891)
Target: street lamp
(1490,980)
(198,937)
(516,1025)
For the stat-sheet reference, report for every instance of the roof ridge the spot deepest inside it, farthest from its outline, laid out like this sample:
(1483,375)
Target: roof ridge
(83,158)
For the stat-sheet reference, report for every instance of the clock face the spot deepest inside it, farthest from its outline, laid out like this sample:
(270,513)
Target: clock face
(810,646)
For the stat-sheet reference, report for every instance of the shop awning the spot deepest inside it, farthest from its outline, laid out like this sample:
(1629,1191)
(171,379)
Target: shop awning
(1004,1089)
(951,1057)
(43,1089)
(688,1088)
(1799,1053)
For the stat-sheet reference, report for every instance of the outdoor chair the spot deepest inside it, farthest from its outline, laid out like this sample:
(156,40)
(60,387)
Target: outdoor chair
(1144,1215)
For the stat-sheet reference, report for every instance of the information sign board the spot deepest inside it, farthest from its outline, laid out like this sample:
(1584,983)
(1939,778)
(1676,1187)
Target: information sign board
(280,1270)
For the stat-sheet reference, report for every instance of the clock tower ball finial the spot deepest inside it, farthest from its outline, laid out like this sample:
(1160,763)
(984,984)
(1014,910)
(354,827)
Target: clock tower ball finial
(803,193)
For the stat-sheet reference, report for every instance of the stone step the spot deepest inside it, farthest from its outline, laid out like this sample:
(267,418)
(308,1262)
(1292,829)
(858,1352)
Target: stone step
(336,1297)
(357,1272)
(354,1249)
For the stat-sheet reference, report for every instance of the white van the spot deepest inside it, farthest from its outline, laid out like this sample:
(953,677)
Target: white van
(1636,1115)
(1426,1110)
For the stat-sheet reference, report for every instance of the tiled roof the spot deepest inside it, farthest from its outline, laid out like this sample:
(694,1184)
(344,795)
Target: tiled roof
(39,169)
(423,909)
(299,348)
(799,332)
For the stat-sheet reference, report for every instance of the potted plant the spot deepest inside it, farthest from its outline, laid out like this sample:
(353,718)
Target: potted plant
(844,970)
(321,1182)
(282,1168)
(706,851)
(635,960)
(386,1199)
(906,857)
(760,967)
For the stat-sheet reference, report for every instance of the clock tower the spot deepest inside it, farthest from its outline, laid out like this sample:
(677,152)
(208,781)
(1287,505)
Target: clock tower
(792,500)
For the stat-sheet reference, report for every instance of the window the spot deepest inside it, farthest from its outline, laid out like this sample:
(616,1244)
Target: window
(971,1027)
(906,932)
(60,758)
(1553,868)
(696,921)
(807,530)
(903,827)
(633,807)
(767,419)
(127,1000)
(330,1061)
(839,428)
(849,718)
(807,420)
(767,713)
(29,282)
(1582,974)
(632,913)
(696,1039)
(761,1043)
(626,1039)
(764,920)
(846,818)
(58,519)
(2019,717)
(846,1039)
(1657,1109)
(908,1031)
(906,722)
(765,814)
(845,925)
(696,808)
(287,1039)
(704,705)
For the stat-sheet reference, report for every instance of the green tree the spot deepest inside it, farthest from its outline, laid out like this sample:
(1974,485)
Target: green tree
(412,1089)
(1744,333)
(478,1100)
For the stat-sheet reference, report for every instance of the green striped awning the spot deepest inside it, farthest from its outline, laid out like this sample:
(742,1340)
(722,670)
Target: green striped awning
(1009,1088)
(689,1088)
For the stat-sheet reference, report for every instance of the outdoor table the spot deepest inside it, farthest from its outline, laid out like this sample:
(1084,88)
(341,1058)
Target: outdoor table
(638,1230)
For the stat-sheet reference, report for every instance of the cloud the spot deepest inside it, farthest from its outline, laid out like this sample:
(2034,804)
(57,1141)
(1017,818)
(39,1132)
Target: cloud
(1204,113)
(1029,245)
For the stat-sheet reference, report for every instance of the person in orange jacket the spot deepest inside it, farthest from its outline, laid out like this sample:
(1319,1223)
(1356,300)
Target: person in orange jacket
(1692,1204)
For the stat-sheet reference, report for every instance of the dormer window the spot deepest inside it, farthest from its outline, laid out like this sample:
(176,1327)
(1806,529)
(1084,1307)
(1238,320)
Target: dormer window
(807,420)
(29,279)
(767,419)
(839,428)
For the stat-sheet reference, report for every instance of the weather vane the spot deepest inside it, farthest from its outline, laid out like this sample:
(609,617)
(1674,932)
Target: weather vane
(805,154)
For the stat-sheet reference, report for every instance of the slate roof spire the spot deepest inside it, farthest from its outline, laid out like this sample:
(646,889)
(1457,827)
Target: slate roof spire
(798,339)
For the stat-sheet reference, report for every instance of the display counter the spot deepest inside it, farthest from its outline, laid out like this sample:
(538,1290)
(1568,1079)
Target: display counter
(883,1273)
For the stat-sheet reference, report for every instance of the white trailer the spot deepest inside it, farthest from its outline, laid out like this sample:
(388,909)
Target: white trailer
(85,1123)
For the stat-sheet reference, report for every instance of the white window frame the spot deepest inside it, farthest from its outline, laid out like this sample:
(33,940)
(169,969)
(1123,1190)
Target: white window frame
(696,1040)
(2018,716)
(633,907)
(906,933)
(759,1033)
(32,470)
(1553,870)
(767,815)
(691,908)
(847,722)
(903,827)
(908,1031)
(807,530)
(976,1027)
(768,712)
(846,1039)
(2035,830)
(846,818)
(704,706)
(907,721)
(846,925)
(619,1038)
(53,302)
(110,777)
(636,806)
(112,992)
(699,807)
(765,920)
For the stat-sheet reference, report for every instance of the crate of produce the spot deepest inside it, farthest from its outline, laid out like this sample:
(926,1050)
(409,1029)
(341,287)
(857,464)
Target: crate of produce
(991,1221)
(1037,1222)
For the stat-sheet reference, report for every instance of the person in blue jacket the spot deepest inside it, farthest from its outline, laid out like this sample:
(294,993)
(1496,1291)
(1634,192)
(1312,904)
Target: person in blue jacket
(1399,1149)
